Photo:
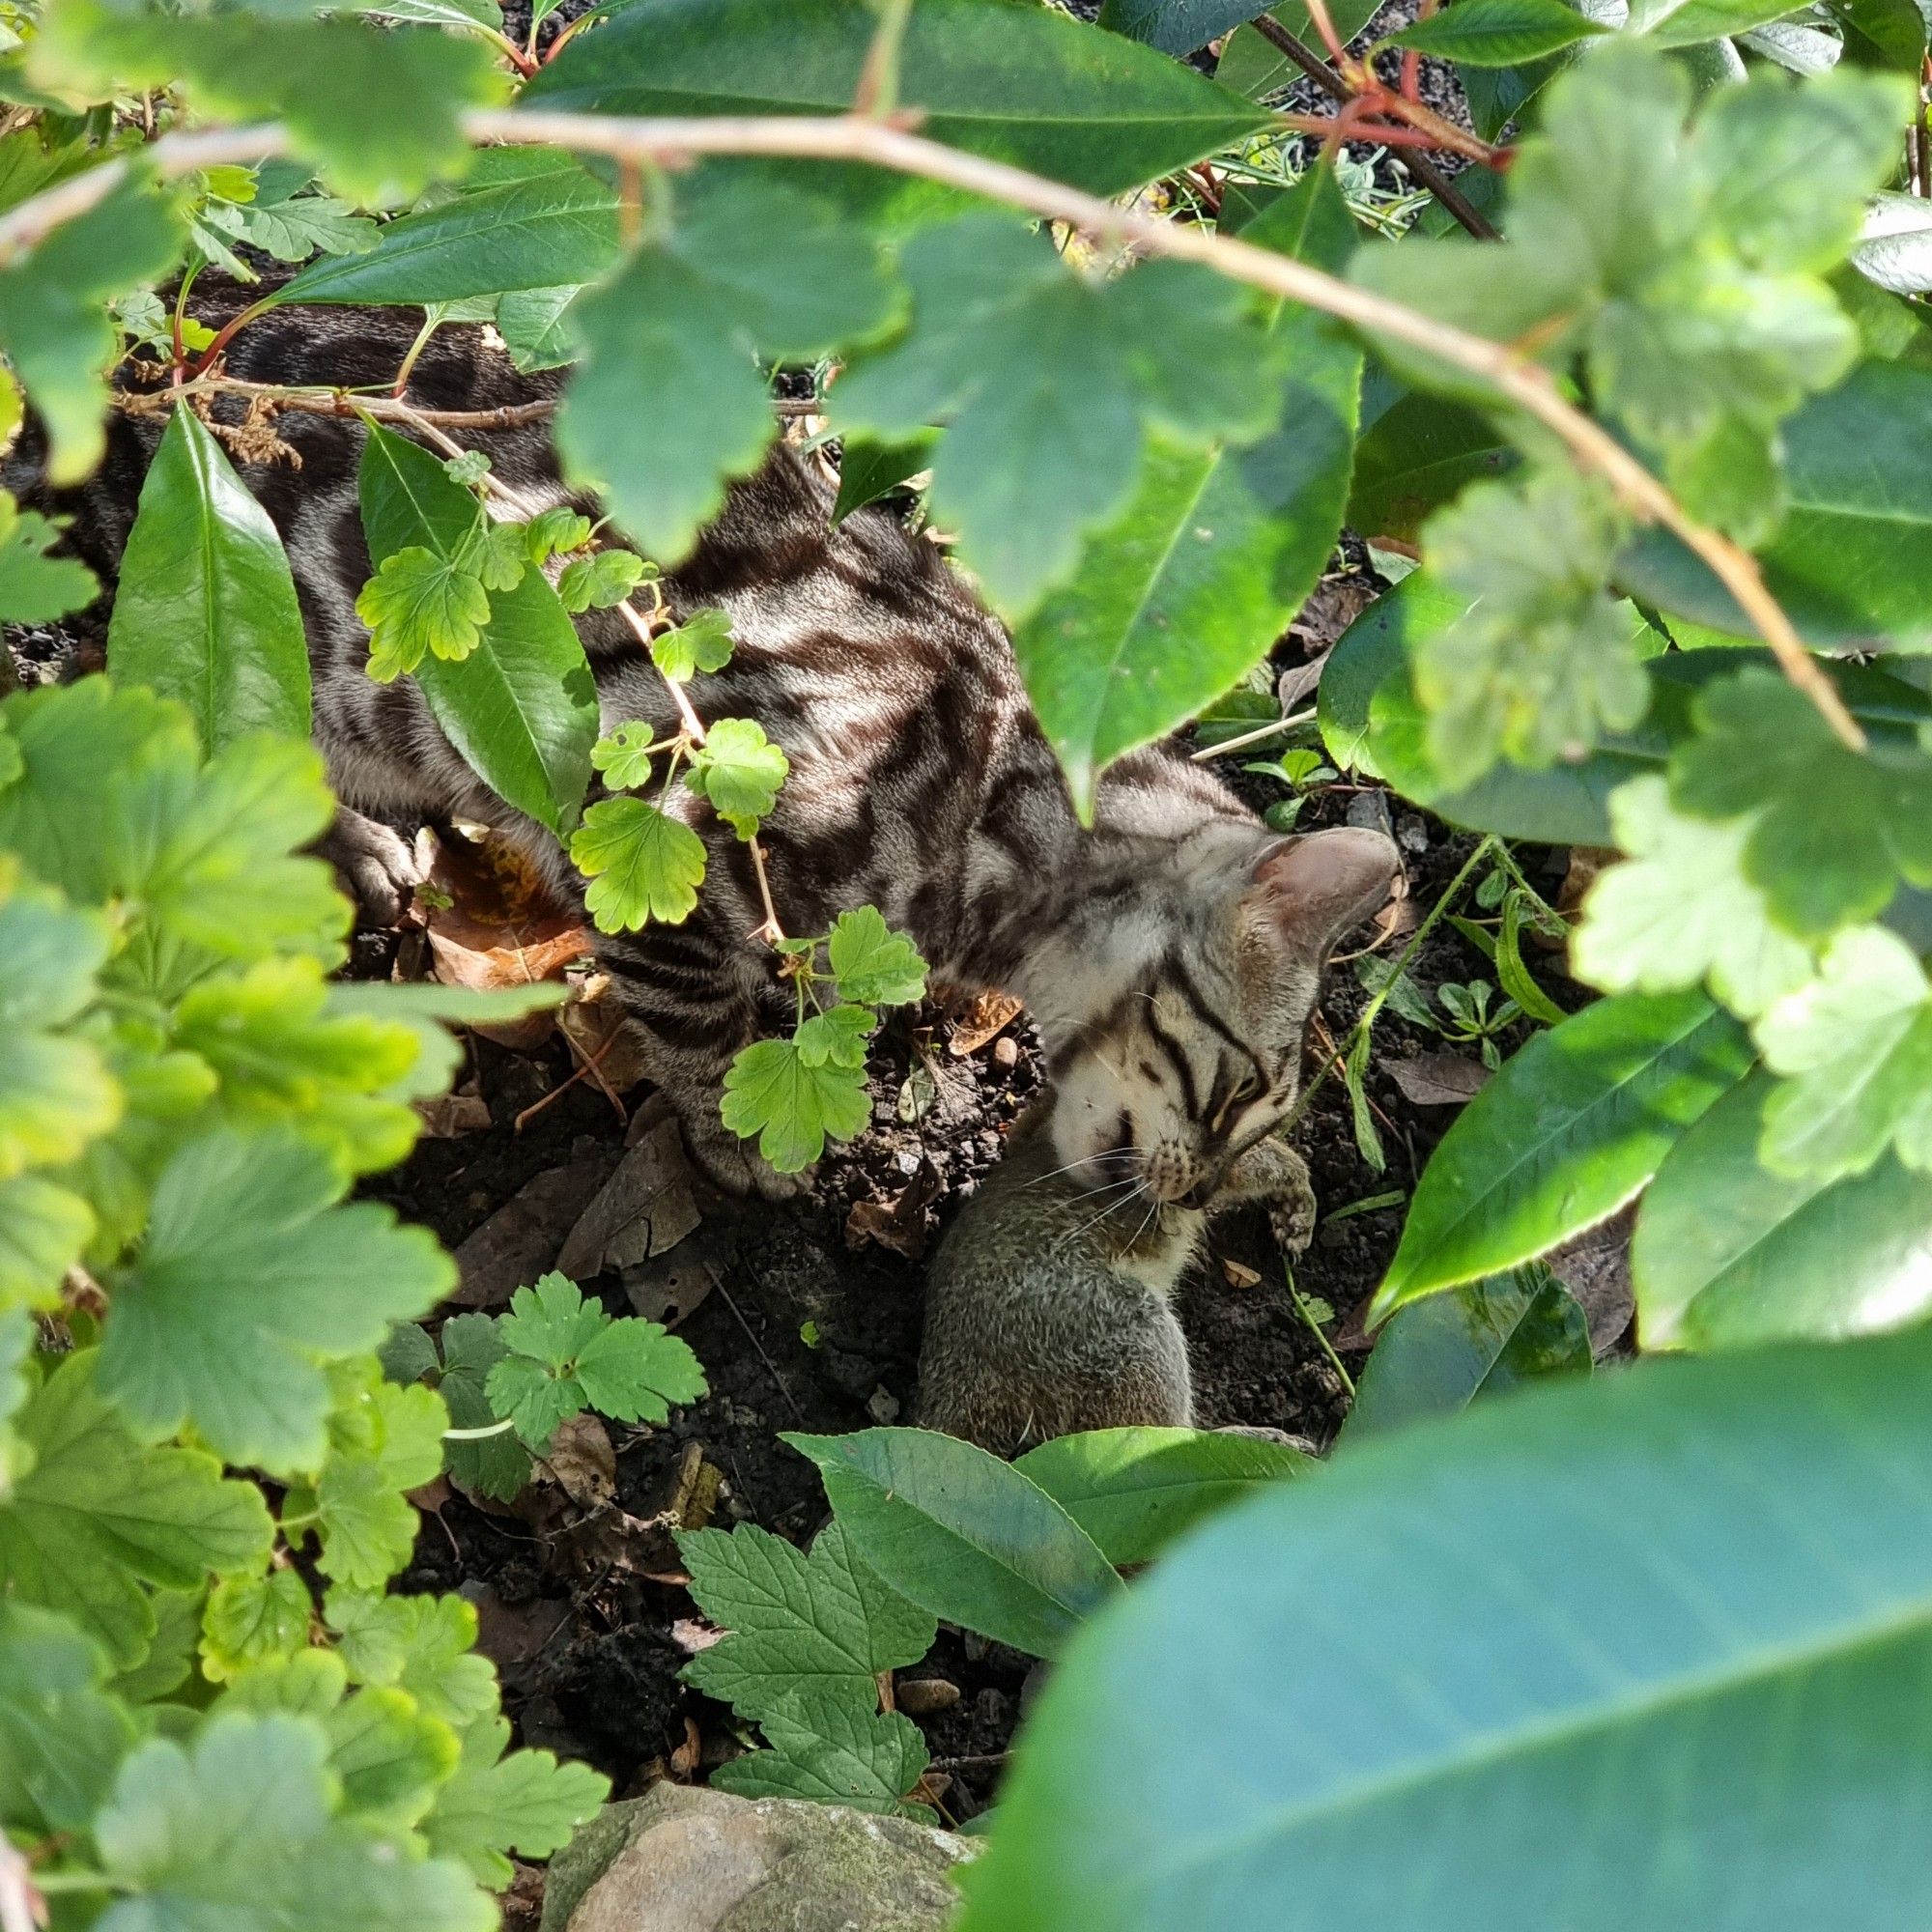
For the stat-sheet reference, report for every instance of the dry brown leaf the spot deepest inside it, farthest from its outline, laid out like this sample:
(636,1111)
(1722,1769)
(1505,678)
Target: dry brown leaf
(520,1239)
(603,1036)
(580,1462)
(979,1020)
(693,1499)
(691,1636)
(1239,1274)
(646,1207)
(453,1114)
(897,1223)
(1437,1079)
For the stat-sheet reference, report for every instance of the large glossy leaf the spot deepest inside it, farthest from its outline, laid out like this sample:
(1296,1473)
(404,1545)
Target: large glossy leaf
(1253,65)
(1417,454)
(1727,1254)
(1180,599)
(1179,26)
(1687,23)
(1648,1649)
(963,1534)
(1564,1135)
(1021,84)
(1498,33)
(1851,561)
(522,708)
(545,224)
(1133,1490)
(207,611)
(1481,1339)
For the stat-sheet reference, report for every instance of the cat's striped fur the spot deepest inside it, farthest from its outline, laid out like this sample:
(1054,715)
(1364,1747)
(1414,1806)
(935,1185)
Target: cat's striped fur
(1167,960)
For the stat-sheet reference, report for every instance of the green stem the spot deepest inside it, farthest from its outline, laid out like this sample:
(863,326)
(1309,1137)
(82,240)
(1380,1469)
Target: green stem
(49,1883)
(502,1428)
(1314,1328)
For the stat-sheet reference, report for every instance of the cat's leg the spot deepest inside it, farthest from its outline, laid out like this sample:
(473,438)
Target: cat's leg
(381,868)
(1272,1174)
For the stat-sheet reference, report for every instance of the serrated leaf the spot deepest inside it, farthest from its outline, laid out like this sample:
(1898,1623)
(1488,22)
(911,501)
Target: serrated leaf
(1217,545)
(819,1621)
(643,865)
(391,1757)
(55,1097)
(792,1107)
(1569,1130)
(634,1371)
(205,609)
(555,532)
(1497,33)
(740,771)
(61,1735)
(249,1277)
(597,583)
(826,1749)
(534,1396)
(241,1827)
(667,403)
(539,327)
(499,553)
(496,1465)
(250,1620)
(1830,830)
(874,965)
(964,1535)
(1855,1048)
(1048,383)
(36,589)
(98,1514)
(1681,909)
(836,1037)
(423,1645)
(702,643)
(42,1230)
(421,605)
(1728,1254)
(367,1526)
(525,1801)
(623,754)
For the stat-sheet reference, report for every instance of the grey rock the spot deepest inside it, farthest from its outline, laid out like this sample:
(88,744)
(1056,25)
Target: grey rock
(684,1860)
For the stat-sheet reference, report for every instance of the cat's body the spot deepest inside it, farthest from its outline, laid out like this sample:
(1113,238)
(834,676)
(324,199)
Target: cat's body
(919,782)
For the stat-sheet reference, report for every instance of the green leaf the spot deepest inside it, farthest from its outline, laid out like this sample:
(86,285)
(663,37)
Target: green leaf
(61,1735)
(963,1534)
(421,605)
(368,1528)
(740,771)
(1655,1569)
(874,965)
(1728,1255)
(375,112)
(1134,1491)
(546,225)
(390,1757)
(1249,64)
(239,1829)
(250,1620)
(836,1037)
(1218,546)
(1570,1129)
(643,865)
(54,326)
(206,609)
(1830,831)
(97,1514)
(1540,661)
(668,404)
(525,1801)
(868,470)
(523,708)
(623,754)
(1850,561)
(496,1465)
(1022,85)
(1856,1046)
(554,532)
(793,1103)
(496,552)
(1413,455)
(1485,1338)
(1681,909)
(834,1752)
(1882,33)
(36,589)
(702,643)
(539,327)
(423,1645)
(42,1230)
(820,1623)
(249,1277)
(1497,33)
(597,583)
(564,1354)
(55,1097)
(1684,23)
(1049,383)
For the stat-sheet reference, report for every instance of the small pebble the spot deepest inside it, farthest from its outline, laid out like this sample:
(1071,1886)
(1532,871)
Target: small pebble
(922,1696)
(974,1645)
(883,1406)
(1006,1052)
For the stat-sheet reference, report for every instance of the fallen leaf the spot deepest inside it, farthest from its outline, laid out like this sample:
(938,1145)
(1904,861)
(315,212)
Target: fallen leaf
(1437,1079)
(1239,1274)
(1586,863)
(1595,1267)
(900,1223)
(646,1208)
(985,1016)
(693,1497)
(691,1636)
(667,1289)
(580,1462)
(453,1114)
(520,1239)
(603,1036)
(1300,682)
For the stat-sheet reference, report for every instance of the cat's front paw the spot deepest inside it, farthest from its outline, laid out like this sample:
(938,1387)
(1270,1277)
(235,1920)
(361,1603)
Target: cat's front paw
(737,1167)
(377,865)
(1291,1220)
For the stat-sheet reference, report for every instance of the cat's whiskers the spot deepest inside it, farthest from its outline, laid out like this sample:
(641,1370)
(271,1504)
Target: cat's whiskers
(1112,1207)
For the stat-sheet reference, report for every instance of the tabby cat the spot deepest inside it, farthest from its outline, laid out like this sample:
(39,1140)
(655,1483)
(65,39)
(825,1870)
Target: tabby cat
(1168,955)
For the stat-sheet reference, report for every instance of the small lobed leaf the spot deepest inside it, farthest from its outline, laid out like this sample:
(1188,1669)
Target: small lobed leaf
(703,641)
(643,865)
(836,1037)
(623,754)
(597,583)
(555,532)
(36,589)
(423,1645)
(874,966)
(253,1619)
(634,1371)
(365,1523)
(522,1801)
(740,771)
(62,1732)
(496,1465)
(792,1106)
(421,605)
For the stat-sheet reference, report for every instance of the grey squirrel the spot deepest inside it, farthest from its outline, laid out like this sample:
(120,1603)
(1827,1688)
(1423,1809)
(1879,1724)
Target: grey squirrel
(1048,1300)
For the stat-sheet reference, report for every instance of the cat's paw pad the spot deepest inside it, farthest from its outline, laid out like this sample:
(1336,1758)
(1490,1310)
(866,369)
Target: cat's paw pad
(1292,1221)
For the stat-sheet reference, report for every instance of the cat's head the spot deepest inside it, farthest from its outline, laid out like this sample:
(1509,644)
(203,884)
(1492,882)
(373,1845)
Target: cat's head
(1203,1054)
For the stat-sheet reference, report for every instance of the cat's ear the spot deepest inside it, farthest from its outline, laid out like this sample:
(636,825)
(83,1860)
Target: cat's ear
(1307,892)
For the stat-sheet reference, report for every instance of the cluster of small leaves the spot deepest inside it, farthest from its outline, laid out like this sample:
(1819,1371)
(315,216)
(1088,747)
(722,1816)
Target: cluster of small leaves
(184,1101)
(795,1094)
